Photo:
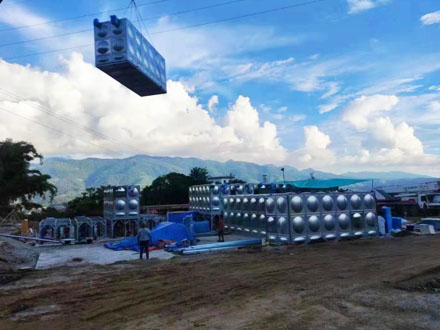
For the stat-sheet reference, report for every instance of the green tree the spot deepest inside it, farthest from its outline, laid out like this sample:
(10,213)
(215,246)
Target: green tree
(199,175)
(90,203)
(19,184)
(171,188)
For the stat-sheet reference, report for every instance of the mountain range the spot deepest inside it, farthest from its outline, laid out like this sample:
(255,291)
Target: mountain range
(72,176)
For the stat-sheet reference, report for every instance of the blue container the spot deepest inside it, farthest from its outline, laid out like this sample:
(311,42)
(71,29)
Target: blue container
(397,223)
(386,211)
(123,53)
(201,226)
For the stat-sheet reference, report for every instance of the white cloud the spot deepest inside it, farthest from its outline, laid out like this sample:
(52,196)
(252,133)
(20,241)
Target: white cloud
(297,118)
(307,76)
(431,18)
(14,16)
(176,124)
(333,88)
(212,103)
(282,109)
(315,152)
(359,111)
(315,139)
(434,88)
(170,124)
(387,142)
(324,108)
(265,108)
(356,6)
(201,48)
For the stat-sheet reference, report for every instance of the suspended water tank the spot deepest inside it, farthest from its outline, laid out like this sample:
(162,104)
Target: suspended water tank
(124,53)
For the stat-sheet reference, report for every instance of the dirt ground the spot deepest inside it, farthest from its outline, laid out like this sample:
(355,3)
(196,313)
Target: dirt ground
(365,284)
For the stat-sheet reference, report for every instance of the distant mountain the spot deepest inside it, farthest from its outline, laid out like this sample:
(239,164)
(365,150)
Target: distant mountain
(73,176)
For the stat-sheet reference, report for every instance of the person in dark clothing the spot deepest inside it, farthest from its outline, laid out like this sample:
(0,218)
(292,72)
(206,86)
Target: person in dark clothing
(221,229)
(144,238)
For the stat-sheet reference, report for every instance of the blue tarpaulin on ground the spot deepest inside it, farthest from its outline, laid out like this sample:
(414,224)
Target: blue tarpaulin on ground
(164,231)
(178,217)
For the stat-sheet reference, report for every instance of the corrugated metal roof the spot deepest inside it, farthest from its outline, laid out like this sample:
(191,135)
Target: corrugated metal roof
(322,184)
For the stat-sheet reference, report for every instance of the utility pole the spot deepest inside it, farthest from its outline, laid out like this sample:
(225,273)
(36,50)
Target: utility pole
(284,179)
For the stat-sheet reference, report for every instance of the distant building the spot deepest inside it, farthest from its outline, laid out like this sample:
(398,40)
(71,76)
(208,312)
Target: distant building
(221,179)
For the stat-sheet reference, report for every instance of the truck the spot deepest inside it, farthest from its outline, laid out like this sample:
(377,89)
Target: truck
(410,200)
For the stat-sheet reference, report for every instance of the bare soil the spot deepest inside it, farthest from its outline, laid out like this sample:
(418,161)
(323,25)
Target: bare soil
(364,284)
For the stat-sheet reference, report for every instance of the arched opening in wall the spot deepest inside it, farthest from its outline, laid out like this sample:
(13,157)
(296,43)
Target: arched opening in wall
(119,229)
(63,232)
(47,232)
(100,229)
(131,228)
(84,231)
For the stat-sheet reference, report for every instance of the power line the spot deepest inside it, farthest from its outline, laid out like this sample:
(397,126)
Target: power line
(69,121)
(242,16)
(138,20)
(51,128)
(187,27)
(49,51)
(79,17)
(50,113)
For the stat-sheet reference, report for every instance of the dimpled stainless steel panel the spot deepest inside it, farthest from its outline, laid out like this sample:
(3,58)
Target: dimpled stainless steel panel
(369,202)
(342,202)
(344,221)
(283,229)
(327,203)
(299,225)
(270,205)
(312,204)
(329,222)
(272,229)
(314,223)
(281,205)
(296,204)
(253,204)
(355,202)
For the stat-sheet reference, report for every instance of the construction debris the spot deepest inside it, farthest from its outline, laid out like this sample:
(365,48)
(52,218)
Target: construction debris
(16,255)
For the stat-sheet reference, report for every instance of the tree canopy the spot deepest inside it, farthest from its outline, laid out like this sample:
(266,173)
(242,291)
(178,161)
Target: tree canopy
(172,188)
(19,184)
(90,203)
(199,175)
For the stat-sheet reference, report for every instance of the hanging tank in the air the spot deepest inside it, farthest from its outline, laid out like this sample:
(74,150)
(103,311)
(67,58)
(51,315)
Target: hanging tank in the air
(124,53)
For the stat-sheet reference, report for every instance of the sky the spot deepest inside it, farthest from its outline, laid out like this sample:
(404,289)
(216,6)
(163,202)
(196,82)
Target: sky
(334,85)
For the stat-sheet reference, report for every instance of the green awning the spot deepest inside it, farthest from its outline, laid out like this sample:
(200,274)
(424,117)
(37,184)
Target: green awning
(322,184)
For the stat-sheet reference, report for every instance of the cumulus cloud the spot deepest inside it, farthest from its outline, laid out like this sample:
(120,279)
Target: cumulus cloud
(176,124)
(315,139)
(170,124)
(359,111)
(431,18)
(316,150)
(388,142)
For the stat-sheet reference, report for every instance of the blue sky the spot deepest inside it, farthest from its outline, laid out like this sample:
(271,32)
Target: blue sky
(336,85)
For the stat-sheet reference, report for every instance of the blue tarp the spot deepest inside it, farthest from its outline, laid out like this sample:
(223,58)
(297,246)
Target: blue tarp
(164,231)
(178,217)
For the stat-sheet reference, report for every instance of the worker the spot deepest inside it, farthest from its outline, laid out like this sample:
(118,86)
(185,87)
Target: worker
(144,238)
(221,229)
